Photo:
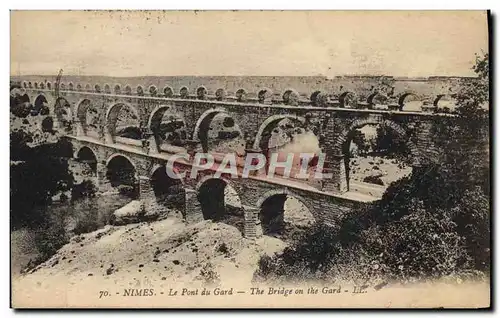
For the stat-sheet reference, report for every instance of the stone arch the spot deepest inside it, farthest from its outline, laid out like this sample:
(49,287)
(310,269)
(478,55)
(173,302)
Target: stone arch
(272,209)
(291,97)
(78,87)
(155,121)
(168,91)
(264,96)
(169,192)
(86,148)
(241,95)
(116,154)
(184,92)
(117,89)
(376,97)
(107,89)
(153,91)
(359,123)
(97,88)
(62,86)
(30,85)
(206,116)
(444,102)
(216,204)
(41,85)
(220,94)
(112,118)
(406,97)
(42,104)
(71,86)
(269,124)
(218,131)
(341,146)
(128,90)
(88,88)
(347,99)
(139,90)
(36,85)
(82,107)
(201,92)
(122,173)
(87,155)
(319,99)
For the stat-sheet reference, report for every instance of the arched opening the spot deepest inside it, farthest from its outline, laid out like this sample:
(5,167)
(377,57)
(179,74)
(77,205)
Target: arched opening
(40,106)
(42,85)
(167,127)
(88,117)
(118,89)
(128,90)
(218,132)
(169,192)
(184,92)
(319,99)
(107,89)
(220,94)
(284,135)
(36,85)
(241,95)
(49,85)
(30,85)
(220,202)
(152,90)
(88,88)
(285,216)
(410,102)
(123,124)
(140,90)
(291,97)
(97,88)
(168,92)
(265,96)
(62,86)
(445,103)
(71,86)
(348,100)
(87,158)
(201,92)
(121,175)
(376,154)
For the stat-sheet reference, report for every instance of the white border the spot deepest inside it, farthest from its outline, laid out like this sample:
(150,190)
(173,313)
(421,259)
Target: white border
(494,5)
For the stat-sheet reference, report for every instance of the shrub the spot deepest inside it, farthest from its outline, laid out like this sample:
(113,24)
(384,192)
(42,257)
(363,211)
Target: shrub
(208,275)
(86,189)
(49,238)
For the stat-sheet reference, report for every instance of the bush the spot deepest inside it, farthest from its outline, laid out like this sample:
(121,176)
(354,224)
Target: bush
(208,275)
(49,238)
(86,189)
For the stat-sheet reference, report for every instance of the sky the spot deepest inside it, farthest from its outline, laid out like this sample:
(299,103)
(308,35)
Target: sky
(267,43)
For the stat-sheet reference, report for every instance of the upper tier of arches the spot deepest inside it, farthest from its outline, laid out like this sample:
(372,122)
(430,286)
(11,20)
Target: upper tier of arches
(288,96)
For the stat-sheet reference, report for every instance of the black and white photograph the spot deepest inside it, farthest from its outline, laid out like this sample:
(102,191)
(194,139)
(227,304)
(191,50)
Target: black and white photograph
(250,159)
